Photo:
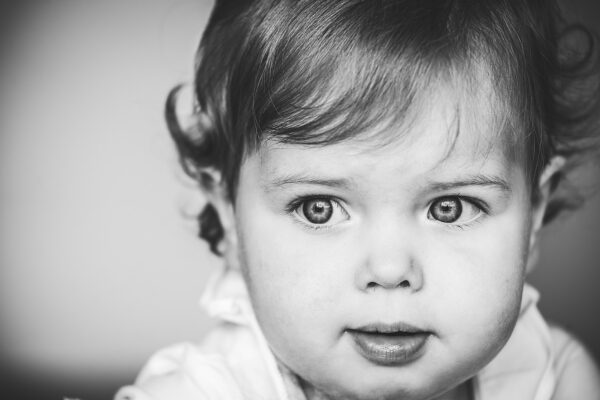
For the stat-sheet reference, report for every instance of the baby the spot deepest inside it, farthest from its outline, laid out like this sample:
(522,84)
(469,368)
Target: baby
(377,173)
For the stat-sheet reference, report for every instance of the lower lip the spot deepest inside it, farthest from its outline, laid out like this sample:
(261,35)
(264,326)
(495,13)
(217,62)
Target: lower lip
(389,349)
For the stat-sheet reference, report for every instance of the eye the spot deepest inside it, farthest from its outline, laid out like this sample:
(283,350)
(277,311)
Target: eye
(321,211)
(453,209)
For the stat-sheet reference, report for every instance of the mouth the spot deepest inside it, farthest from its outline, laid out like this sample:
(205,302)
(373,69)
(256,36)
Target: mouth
(390,345)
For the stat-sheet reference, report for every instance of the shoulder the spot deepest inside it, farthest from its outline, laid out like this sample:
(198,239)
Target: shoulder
(183,372)
(577,374)
(227,365)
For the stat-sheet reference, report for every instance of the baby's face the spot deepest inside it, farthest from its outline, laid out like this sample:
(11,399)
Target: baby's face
(389,271)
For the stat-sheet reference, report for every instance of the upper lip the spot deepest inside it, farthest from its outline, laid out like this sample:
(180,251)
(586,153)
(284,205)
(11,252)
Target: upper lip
(396,327)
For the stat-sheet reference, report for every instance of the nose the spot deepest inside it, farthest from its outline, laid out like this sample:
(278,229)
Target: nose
(390,260)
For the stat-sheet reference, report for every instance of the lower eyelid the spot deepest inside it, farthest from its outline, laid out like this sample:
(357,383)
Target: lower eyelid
(341,208)
(308,225)
(477,216)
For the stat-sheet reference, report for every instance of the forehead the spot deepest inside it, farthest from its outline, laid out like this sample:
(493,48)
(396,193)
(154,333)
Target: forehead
(453,126)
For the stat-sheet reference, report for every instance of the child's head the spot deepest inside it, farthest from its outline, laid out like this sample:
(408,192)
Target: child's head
(382,166)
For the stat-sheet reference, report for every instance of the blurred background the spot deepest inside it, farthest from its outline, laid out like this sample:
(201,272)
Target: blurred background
(99,263)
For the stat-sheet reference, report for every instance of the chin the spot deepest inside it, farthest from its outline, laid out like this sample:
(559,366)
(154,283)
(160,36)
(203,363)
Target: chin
(386,391)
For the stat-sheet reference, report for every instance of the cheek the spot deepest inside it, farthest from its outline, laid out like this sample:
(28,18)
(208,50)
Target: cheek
(293,280)
(280,265)
(492,266)
(483,286)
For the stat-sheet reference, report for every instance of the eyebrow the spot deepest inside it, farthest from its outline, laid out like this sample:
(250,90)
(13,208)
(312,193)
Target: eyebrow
(344,183)
(303,179)
(475,180)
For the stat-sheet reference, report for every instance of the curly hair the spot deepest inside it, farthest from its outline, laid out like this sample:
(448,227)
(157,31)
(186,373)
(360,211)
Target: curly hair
(264,69)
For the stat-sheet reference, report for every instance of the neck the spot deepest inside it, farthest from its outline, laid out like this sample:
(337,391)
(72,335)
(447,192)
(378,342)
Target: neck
(464,391)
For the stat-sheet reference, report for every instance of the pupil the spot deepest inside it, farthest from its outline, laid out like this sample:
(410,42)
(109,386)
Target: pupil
(447,210)
(317,211)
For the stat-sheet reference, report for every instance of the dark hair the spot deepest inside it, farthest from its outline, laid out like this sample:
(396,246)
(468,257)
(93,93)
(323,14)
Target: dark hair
(317,72)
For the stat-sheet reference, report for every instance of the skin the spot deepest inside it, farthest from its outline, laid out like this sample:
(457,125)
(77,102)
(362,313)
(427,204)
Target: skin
(383,257)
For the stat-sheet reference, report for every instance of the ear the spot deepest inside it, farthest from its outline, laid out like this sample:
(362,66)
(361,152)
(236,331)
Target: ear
(539,208)
(216,193)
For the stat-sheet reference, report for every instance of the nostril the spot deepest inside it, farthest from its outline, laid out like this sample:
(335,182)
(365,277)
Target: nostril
(404,284)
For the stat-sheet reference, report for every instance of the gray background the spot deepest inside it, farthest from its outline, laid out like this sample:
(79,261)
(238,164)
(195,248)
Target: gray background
(99,265)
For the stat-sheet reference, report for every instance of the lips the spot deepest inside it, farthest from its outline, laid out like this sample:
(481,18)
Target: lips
(390,345)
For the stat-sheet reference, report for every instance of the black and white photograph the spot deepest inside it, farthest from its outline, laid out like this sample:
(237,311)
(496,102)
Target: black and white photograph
(300,200)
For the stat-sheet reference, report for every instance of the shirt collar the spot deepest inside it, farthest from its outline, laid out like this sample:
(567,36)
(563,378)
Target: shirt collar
(226,297)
